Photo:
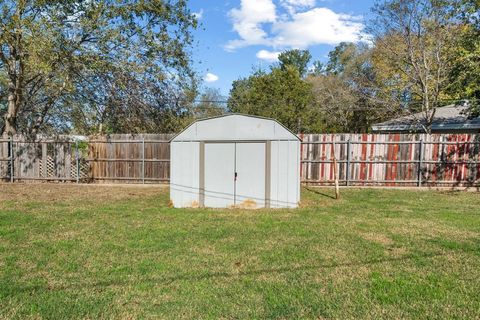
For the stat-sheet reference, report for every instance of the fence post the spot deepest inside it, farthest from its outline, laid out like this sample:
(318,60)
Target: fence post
(143,160)
(77,159)
(12,172)
(335,172)
(420,163)
(347,172)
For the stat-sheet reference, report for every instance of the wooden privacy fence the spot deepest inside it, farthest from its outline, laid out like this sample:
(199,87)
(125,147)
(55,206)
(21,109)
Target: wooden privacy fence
(113,159)
(392,159)
(143,158)
(60,159)
(362,159)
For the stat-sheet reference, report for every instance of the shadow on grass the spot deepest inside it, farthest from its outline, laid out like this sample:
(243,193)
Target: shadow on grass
(166,280)
(319,193)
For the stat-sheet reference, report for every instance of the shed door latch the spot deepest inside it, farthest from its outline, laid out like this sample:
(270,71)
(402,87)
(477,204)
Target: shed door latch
(236,174)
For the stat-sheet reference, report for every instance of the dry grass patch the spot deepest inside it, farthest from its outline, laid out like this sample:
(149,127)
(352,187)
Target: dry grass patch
(378,238)
(66,192)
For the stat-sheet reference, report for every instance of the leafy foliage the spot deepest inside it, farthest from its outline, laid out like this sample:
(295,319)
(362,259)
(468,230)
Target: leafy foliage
(346,90)
(298,59)
(464,78)
(67,62)
(419,55)
(279,94)
(98,66)
(210,104)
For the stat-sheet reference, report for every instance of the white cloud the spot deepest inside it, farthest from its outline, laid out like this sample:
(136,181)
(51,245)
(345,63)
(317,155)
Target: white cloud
(270,56)
(300,3)
(198,15)
(300,25)
(248,20)
(210,77)
(317,26)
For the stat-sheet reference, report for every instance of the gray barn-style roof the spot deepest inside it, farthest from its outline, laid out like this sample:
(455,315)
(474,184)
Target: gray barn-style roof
(235,126)
(448,119)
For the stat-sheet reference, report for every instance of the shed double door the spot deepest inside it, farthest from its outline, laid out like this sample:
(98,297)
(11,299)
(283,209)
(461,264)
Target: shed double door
(234,174)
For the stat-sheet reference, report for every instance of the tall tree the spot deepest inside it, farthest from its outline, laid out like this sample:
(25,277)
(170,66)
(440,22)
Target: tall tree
(279,94)
(122,101)
(464,79)
(346,89)
(298,59)
(413,42)
(335,103)
(52,51)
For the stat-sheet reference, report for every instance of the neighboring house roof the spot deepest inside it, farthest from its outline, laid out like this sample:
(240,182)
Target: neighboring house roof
(449,118)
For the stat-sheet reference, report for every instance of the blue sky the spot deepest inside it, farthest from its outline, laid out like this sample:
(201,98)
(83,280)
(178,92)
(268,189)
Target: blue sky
(237,35)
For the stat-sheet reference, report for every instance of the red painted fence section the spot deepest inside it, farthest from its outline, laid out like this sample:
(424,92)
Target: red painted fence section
(393,159)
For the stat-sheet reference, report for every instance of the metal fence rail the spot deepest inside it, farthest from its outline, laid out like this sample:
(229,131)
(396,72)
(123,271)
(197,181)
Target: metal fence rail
(362,159)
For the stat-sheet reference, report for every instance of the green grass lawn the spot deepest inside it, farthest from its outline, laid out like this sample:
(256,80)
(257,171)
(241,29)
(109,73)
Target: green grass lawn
(94,252)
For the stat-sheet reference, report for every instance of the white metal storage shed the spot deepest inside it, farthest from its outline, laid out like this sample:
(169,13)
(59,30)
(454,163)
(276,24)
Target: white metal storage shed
(235,161)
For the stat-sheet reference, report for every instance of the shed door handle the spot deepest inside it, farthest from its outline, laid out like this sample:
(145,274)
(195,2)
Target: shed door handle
(236,174)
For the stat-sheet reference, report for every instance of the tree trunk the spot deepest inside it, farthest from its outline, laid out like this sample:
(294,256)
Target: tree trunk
(15,92)
(12,111)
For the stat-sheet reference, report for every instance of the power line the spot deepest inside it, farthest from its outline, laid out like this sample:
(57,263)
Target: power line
(413,103)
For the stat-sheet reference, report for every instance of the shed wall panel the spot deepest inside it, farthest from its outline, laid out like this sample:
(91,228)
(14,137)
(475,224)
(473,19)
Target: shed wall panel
(285,185)
(184,181)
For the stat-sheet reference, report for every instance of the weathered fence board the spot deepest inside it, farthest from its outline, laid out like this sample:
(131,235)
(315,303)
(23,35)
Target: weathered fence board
(42,159)
(124,158)
(392,159)
(362,159)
